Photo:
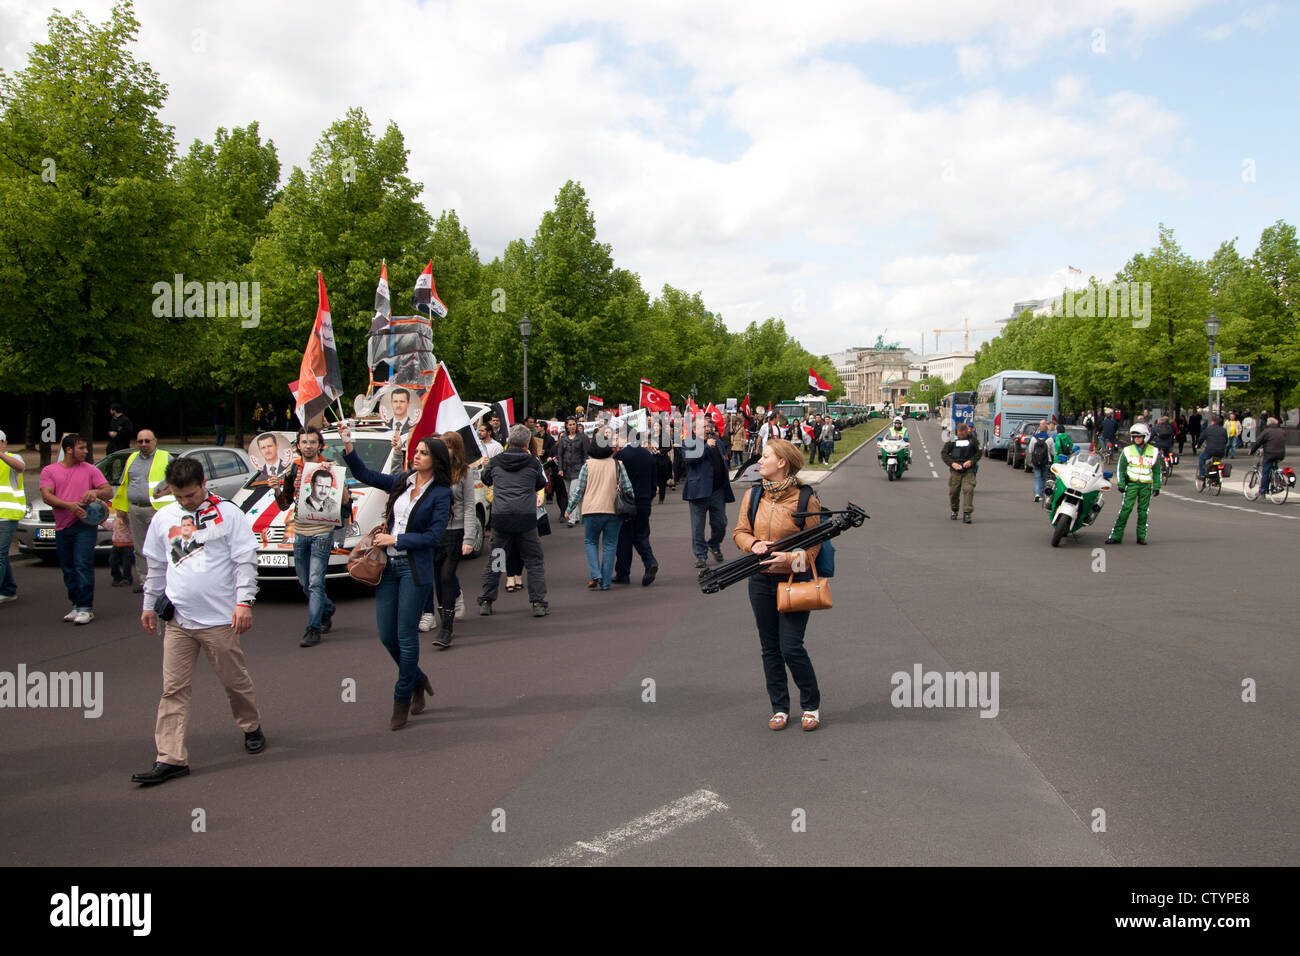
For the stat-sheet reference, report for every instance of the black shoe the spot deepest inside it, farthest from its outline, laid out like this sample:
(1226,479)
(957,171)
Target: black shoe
(138,589)
(541,609)
(953,516)
(484,607)
(310,638)
(119,584)
(1142,540)
(649,577)
(620,580)
(1112,540)
(327,622)
(965,518)
(255,741)
(161,773)
(701,563)
(443,640)
(717,555)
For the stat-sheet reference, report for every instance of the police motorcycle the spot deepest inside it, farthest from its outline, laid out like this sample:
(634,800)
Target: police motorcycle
(895,453)
(1077,497)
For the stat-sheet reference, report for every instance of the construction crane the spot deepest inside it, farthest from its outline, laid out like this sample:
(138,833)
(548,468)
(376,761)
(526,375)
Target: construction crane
(966,329)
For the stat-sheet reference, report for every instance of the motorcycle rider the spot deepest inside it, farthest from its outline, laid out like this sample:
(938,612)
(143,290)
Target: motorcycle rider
(1138,481)
(897,431)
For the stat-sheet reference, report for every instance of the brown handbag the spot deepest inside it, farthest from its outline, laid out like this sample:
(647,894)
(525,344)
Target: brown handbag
(793,596)
(367,561)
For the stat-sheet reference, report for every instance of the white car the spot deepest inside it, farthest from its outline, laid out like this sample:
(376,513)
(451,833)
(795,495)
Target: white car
(274,527)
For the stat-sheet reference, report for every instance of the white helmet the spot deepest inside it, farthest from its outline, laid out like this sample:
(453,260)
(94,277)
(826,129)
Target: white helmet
(1140,429)
(898,419)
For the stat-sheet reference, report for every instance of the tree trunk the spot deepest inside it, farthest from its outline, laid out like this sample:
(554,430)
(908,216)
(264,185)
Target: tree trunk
(29,428)
(180,409)
(239,420)
(87,427)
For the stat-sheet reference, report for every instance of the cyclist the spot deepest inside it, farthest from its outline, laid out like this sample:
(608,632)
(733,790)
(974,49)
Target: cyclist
(1214,444)
(1139,481)
(1272,441)
(1109,430)
(1163,435)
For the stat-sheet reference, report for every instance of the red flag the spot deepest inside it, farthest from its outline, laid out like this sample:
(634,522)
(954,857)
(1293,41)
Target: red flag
(425,300)
(443,411)
(319,381)
(719,420)
(596,400)
(816,381)
(654,399)
(808,431)
(745,407)
(691,408)
(383,307)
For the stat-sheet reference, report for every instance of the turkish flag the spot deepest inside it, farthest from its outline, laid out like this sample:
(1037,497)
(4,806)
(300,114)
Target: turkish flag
(719,420)
(655,399)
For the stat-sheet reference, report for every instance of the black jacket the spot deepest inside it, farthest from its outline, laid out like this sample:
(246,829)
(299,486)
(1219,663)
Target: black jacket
(952,452)
(570,453)
(125,433)
(641,470)
(1273,440)
(515,478)
(1214,440)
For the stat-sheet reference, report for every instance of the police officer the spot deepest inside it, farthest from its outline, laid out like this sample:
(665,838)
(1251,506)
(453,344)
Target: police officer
(1139,481)
(13,505)
(961,456)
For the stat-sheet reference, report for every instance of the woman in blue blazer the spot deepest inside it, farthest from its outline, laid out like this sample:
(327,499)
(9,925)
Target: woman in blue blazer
(419,506)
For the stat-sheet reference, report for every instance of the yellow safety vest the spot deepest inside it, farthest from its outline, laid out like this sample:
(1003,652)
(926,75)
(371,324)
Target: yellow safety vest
(13,503)
(1141,464)
(157,472)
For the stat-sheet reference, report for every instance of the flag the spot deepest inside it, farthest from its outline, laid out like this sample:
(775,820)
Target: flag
(588,385)
(383,305)
(319,381)
(595,400)
(808,432)
(816,381)
(719,420)
(443,411)
(1075,272)
(692,409)
(505,410)
(655,399)
(426,301)
(748,412)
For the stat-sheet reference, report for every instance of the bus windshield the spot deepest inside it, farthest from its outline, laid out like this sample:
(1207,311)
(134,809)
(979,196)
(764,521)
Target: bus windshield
(1029,386)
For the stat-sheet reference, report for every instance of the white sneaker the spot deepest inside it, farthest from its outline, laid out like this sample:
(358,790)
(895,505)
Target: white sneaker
(428,622)
(460,607)
(70,616)
(83,617)
(8,598)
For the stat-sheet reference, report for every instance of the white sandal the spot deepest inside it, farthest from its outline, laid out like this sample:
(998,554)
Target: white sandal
(812,719)
(778,720)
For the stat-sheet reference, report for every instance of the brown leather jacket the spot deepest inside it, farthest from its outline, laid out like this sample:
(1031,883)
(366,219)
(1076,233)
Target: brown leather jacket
(773,522)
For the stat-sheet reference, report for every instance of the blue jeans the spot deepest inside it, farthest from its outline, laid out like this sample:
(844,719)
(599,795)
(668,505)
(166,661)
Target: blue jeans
(75,546)
(1265,473)
(398,603)
(715,508)
(1200,463)
(635,534)
(827,449)
(311,556)
(1040,480)
(781,637)
(8,587)
(600,563)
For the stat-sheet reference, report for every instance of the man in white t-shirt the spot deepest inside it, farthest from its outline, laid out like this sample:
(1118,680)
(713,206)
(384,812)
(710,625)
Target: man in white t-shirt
(203,557)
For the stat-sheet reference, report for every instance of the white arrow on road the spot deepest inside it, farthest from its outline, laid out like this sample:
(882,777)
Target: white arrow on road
(644,829)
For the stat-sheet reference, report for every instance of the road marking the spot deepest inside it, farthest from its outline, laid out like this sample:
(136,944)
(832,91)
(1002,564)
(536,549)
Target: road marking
(644,829)
(933,473)
(1220,504)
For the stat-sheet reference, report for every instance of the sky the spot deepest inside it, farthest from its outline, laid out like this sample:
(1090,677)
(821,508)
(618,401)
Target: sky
(855,169)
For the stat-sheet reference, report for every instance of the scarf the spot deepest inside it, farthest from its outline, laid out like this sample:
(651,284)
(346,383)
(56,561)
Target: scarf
(775,488)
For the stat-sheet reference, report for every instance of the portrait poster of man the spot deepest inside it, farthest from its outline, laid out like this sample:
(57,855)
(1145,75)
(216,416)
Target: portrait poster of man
(400,407)
(320,494)
(271,454)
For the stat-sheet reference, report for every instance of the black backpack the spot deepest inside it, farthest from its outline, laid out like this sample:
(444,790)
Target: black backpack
(1040,455)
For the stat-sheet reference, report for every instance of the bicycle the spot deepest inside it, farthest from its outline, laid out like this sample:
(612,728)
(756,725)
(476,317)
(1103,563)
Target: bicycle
(1167,462)
(1278,487)
(1215,472)
(1107,453)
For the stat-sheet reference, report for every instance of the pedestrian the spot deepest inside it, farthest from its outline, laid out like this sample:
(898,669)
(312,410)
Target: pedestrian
(1138,480)
(415,519)
(1194,429)
(663,470)
(491,447)
(827,439)
(642,471)
(454,544)
(570,454)
(599,481)
(515,477)
(313,540)
(288,417)
(780,635)
(1181,425)
(257,417)
(76,490)
(962,456)
(1040,456)
(205,605)
(120,429)
(738,438)
(121,559)
(1272,445)
(514,559)
(13,505)
(219,423)
(1248,428)
(142,493)
(707,490)
(1234,434)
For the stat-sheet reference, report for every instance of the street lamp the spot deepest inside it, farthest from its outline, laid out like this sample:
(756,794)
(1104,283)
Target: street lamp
(1212,330)
(525,330)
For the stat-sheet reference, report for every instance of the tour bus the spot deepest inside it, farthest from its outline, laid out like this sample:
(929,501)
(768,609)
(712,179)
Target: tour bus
(1006,399)
(957,407)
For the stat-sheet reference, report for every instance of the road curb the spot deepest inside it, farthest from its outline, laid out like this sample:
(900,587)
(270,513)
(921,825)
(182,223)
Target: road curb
(809,476)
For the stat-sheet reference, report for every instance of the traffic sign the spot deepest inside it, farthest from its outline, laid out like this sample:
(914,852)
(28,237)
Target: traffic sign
(1237,373)
(1218,383)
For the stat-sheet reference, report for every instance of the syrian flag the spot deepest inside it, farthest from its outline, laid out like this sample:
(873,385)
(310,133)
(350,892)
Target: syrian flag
(383,304)
(808,432)
(319,381)
(426,301)
(443,411)
(655,399)
(505,410)
(594,400)
(816,381)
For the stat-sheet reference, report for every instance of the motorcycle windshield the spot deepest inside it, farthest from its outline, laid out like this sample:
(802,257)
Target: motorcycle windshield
(1086,461)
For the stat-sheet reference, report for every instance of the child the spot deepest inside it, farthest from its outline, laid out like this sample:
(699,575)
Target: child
(121,561)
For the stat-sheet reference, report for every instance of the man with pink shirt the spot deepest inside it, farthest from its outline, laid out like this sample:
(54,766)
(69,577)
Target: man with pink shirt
(69,486)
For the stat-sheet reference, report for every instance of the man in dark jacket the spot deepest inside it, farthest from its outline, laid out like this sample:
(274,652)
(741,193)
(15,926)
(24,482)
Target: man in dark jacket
(1273,442)
(120,430)
(961,456)
(1214,444)
(515,477)
(707,490)
(642,472)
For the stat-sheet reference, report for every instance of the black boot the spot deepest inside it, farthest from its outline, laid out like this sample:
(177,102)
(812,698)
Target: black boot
(401,710)
(443,640)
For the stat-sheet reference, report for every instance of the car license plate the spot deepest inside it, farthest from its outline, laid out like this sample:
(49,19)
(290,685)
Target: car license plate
(44,534)
(272,560)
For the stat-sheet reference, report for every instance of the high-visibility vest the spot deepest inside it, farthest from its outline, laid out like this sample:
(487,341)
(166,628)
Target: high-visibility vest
(13,503)
(1141,462)
(157,472)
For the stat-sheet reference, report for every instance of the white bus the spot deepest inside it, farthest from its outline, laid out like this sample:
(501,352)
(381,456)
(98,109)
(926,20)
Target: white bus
(1004,400)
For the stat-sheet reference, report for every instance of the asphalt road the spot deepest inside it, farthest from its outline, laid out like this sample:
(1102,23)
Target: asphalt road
(1119,703)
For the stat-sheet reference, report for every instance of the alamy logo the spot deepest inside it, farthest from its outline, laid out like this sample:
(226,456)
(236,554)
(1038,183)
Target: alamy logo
(75,909)
(215,301)
(947,689)
(82,690)
(1115,300)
